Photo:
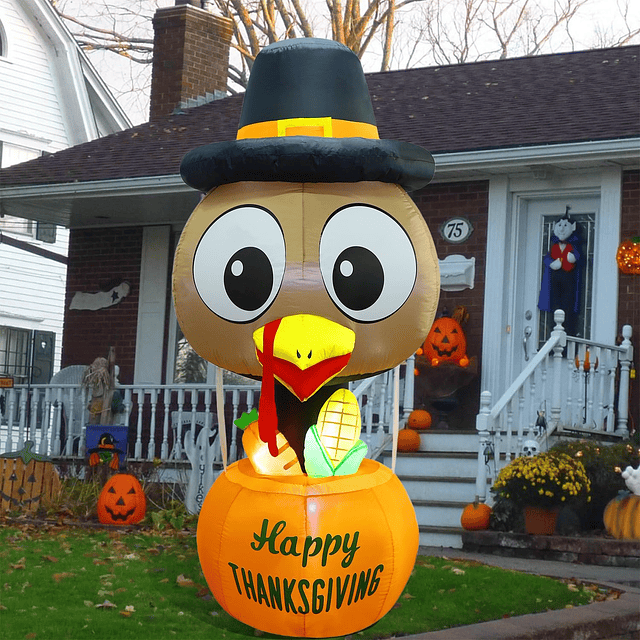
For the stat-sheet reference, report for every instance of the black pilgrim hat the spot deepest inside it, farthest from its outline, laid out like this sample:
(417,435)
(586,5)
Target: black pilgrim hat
(307,117)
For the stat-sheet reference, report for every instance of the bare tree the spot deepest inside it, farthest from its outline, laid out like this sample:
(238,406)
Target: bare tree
(458,31)
(125,27)
(384,33)
(608,36)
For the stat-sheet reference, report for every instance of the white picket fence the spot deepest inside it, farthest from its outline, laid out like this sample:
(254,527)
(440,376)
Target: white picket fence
(572,387)
(161,417)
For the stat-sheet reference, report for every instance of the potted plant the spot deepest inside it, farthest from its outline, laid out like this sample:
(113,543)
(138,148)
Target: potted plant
(540,485)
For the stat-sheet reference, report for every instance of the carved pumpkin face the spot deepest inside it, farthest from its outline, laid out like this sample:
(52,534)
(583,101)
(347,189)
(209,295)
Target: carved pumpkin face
(26,487)
(446,342)
(122,501)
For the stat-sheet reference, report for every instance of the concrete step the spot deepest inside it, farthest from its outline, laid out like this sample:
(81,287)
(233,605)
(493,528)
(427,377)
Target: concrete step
(433,536)
(448,464)
(445,440)
(437,488)
(440,513)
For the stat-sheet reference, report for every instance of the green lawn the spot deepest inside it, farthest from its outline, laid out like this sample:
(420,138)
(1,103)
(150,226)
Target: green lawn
(67,583)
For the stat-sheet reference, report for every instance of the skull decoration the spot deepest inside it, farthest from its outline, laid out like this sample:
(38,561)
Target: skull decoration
(530,448)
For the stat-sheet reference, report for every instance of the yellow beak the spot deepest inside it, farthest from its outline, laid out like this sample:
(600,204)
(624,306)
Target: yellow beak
(308,351)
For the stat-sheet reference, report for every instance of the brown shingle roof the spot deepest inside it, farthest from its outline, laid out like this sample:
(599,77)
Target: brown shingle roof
(560,98)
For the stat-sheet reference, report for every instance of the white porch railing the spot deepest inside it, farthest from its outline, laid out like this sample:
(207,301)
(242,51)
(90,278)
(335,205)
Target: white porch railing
(161,417)
(572,385)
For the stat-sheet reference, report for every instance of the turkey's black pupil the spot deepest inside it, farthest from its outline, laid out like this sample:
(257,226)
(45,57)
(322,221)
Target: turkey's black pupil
(358,278)
(248,278)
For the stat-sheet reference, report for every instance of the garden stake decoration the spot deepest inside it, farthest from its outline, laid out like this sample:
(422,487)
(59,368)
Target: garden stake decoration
(122,501)
(306,265)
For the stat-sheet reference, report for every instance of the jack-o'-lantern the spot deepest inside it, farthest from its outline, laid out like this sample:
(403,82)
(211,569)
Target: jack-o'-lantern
(300,556)
(122,500)
(446,342)
(628,256)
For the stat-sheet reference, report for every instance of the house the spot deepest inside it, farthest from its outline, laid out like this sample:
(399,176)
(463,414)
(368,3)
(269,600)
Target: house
(50,98)
(515,141)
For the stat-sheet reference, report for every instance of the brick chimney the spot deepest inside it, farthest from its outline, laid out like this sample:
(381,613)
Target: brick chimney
(190,55)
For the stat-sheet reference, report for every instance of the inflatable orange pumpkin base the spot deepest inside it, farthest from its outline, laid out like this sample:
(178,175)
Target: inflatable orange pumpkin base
(306,557)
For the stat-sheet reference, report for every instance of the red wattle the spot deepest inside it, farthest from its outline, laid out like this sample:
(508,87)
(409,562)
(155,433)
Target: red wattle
(268,420)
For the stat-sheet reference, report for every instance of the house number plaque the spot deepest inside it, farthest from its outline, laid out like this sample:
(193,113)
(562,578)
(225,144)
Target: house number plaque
(456,230)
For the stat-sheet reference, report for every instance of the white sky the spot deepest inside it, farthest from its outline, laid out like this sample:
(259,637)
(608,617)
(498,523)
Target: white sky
(121,75)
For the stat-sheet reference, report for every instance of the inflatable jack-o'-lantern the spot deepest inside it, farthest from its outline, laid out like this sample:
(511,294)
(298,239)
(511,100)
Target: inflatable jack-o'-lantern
(446,342)
(122,500)
(306,265)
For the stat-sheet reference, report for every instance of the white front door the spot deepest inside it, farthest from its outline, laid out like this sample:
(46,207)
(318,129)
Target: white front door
(541,288)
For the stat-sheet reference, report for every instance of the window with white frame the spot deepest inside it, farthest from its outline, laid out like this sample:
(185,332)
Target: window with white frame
(14,352)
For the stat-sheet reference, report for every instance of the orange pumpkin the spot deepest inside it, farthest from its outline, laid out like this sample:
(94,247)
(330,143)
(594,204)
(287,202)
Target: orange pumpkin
(475,516)
(419,419)
(622,517)
(122,500)
(408,440)
(628,256)
(307,557)
(446,342)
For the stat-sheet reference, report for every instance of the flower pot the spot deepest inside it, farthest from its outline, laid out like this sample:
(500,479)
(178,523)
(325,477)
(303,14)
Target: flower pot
(540,521)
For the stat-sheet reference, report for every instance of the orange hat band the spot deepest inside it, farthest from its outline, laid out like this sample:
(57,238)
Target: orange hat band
(318,127)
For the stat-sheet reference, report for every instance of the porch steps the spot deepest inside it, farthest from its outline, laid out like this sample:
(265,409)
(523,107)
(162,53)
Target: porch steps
(440,479)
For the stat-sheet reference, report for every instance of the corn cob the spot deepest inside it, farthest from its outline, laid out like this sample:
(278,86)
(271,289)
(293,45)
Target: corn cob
(339,424)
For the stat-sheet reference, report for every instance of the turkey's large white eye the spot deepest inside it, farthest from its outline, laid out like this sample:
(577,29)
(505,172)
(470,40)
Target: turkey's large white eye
(367,262)
(238,265)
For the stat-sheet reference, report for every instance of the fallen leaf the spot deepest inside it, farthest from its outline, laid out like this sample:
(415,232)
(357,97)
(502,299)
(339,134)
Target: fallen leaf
(50,558)
(106,605)
(125,614)
(407,596)
(458,572)
(30,636)
(88,603)
(184,581)
(21,564)
(61,576)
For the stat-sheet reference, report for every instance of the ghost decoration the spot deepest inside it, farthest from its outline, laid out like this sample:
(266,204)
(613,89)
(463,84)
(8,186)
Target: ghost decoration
(201,455)
(306,265)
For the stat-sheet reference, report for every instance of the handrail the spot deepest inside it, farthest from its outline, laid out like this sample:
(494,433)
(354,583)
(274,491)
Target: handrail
(516,385)
(581,396)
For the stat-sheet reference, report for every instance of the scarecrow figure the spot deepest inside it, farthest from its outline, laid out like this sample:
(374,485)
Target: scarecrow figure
(560,286)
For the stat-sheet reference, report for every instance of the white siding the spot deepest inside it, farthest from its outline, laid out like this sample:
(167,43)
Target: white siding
(29,105)
(32,288)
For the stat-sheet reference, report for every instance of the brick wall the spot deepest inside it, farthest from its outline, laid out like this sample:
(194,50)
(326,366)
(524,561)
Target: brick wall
(191,56)
(629,285)
(98,259)
(438,203)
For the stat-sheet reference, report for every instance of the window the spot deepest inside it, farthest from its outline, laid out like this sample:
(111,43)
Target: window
(3,42)
(14,353)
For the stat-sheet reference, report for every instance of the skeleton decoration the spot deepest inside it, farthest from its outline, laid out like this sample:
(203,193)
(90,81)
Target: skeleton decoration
(530,448)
